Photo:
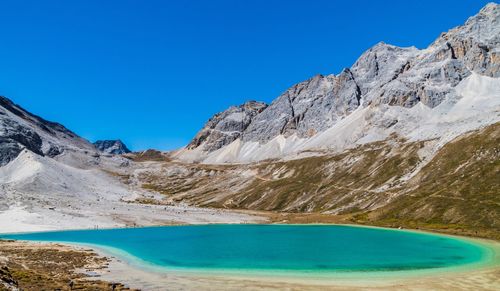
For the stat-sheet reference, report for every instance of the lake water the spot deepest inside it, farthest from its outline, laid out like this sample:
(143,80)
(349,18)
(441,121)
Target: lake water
(302,248)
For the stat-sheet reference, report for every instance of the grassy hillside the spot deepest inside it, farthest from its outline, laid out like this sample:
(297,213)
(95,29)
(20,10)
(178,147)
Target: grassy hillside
(338,184)
(383,183)
(346,183)
(459,190)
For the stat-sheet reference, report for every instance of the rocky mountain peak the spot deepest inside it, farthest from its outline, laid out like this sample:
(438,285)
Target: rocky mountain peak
(20,130)
(406,76)
(488,14)
(480,27)
(379,65)
(306,108)
(113,147)
(226,126)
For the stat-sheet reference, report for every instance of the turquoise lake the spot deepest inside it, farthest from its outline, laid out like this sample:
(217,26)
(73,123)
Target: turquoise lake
(303,248)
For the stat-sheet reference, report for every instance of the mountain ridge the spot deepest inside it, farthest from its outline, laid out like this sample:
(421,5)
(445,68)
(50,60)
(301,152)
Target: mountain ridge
(21,129)
(383,75)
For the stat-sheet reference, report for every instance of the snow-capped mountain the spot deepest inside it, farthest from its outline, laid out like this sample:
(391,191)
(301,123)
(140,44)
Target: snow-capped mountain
(441,91)
(113,147)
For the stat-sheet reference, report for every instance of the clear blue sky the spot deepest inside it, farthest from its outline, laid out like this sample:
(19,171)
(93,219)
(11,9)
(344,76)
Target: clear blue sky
(152,72)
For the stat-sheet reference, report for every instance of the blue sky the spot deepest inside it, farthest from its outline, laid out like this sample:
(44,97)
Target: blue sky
(152,72)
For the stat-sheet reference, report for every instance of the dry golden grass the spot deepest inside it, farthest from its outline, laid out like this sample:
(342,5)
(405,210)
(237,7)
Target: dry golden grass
(35,267)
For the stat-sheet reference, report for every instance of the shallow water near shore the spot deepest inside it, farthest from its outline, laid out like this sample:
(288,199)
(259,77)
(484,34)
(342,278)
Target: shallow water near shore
(292,249)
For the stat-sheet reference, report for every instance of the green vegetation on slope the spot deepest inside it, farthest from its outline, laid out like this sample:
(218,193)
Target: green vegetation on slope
(458,190)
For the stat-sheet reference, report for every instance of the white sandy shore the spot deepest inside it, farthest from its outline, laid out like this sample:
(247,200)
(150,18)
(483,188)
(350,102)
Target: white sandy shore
(116,214)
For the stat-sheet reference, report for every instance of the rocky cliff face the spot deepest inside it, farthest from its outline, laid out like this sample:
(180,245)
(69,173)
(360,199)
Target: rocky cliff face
(20,130)
(226,126)
(307,108)
(428,75)
(385,75)
(113,147)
